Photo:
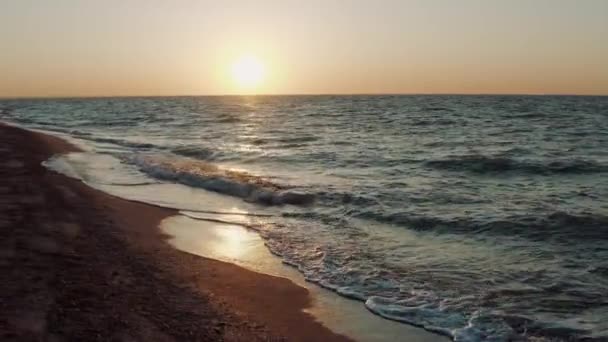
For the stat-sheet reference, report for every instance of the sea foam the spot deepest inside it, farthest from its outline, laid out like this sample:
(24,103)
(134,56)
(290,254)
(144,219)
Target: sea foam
(210,177)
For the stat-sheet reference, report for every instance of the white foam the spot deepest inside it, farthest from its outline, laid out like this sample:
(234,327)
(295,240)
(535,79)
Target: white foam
(60,165)
(108,174)
(419,310)
(206,176)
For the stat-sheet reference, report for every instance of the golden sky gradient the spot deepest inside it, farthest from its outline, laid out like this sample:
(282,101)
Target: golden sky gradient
(187,47)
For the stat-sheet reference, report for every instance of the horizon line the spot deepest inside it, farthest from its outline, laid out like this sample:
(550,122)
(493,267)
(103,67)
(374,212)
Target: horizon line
(25,97)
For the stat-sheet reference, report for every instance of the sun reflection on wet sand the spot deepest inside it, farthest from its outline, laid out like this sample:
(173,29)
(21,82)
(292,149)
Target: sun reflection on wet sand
(236,244)
(232,241)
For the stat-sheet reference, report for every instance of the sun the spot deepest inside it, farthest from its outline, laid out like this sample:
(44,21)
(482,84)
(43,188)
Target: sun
(248,72)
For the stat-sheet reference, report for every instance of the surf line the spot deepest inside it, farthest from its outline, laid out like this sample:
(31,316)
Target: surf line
(183,211)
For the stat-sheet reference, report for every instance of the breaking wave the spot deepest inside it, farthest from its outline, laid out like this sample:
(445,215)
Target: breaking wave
(228,182)
(122,142)
(196,152)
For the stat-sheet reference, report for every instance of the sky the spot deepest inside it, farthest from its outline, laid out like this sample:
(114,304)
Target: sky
(187,47)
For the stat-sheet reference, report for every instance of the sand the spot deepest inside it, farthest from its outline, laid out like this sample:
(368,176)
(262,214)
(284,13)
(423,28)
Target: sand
(80,265)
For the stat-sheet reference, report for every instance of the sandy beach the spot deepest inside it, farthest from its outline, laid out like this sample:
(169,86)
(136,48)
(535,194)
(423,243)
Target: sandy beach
(78,264)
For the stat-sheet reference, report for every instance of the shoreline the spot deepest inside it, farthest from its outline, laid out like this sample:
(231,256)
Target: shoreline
(83,264)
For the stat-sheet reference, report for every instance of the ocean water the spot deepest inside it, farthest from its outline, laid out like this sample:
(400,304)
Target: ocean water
(484,218)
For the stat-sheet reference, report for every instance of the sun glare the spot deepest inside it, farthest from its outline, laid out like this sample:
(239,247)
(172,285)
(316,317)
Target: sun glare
(248,72)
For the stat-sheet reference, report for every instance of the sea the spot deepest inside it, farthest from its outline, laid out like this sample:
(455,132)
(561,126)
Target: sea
(482,218)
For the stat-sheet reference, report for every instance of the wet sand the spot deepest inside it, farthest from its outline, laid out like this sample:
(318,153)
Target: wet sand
(78,264)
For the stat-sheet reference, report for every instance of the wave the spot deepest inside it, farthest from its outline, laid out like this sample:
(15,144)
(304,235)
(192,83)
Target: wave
(416,311)
(498,164)
(437,109)
(229,119)
(190,151)
(6,111)
(337,197)
(121,142)
(210,177)
(78,133)
(481,325)
(196,152)
(527,114)
(127,184)
(73,132)
(557,226)
(433,122)
(285,142)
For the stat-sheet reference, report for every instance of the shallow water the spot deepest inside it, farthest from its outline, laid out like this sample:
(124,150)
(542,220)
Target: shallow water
(481,217)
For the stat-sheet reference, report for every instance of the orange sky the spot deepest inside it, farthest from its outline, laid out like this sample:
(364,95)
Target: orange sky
(154,47)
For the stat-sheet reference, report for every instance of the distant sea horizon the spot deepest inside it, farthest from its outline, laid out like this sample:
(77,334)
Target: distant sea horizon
(59,97)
